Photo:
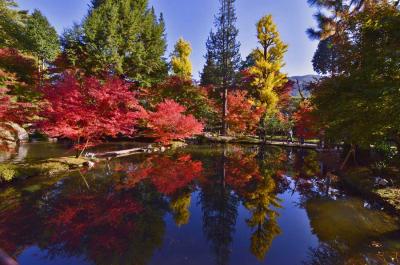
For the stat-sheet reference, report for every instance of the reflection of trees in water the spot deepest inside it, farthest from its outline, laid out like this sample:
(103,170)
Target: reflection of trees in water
(262,202)
(310,175)
(253,183)
(323,254)
(179,206)
(219,206)
(349,233)
(326,254)
(107,228)
(114,220)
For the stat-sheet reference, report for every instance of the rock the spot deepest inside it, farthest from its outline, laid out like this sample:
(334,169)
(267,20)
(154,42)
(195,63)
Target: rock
(381,182)
(22,134)
(13,132)
(177,144)
(6,135)
(89,164)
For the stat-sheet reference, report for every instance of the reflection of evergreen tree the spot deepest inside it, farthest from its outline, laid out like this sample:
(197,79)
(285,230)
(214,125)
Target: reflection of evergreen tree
(219,206)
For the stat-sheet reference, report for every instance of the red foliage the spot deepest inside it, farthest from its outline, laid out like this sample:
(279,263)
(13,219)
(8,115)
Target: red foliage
(100,222)
(186,93)
(242,116)
(17,112)
(89,109)
(285,93)
(241,170)
(166,173)
(4,104)
(305,121)
(169,123)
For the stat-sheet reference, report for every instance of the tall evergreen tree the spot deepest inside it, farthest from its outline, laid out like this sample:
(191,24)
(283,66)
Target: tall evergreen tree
(325,59)
(223,57)
(44,41)
(122,37)
(12,22)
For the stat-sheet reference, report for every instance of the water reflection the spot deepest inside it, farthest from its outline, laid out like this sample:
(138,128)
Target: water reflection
(122,211)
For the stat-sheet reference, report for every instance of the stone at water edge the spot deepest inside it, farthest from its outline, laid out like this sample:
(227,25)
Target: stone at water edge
(8,143)
(13,132)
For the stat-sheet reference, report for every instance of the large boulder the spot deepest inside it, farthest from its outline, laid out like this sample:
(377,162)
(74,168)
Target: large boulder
(12,132)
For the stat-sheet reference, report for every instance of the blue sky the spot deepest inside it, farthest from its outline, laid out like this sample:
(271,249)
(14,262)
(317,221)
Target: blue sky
(193,20)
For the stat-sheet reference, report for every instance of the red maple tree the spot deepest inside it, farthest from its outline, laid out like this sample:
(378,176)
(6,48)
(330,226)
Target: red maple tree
(88,110)
(243,116)
(12,111)
(169,122)
(305,121)
(4,103)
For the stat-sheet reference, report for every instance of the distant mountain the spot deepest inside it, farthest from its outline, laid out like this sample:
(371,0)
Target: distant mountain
(304,82)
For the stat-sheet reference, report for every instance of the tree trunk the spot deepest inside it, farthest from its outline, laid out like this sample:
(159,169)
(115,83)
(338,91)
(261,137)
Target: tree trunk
(224,110)
(352,151)
(83,149)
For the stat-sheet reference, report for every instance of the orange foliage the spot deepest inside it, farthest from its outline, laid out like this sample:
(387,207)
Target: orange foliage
(243,116)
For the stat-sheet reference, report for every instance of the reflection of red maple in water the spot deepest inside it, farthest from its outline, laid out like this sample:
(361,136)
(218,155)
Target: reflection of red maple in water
(166,173)
(241,170)
(15,231)
(100,223)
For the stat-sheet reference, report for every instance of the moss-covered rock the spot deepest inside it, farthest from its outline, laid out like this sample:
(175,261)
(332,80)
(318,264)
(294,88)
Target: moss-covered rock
(50,167)
(177,144)
(7,172)
(391,195)
(71,162)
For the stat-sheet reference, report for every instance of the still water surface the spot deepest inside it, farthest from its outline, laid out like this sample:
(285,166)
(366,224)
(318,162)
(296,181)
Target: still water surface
(195,206)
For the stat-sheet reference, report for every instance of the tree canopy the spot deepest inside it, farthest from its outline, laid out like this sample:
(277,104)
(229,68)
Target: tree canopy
(180,60)
(359,105)
(125,38)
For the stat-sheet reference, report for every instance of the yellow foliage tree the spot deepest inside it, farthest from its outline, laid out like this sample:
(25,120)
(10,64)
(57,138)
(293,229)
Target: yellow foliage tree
(180,60)
(268,64)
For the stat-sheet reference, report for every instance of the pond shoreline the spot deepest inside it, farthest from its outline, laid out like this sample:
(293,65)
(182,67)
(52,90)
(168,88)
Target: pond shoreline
(205,138)
(11,172)
(360,181)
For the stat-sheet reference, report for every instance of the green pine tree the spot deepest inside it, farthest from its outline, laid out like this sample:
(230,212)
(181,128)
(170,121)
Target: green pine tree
(223,56)
(12,22)
(125,38)
(44,42)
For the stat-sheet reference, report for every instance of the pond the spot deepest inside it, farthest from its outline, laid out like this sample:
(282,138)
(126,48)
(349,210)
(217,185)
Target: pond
(236,205)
